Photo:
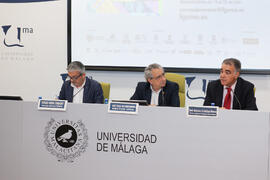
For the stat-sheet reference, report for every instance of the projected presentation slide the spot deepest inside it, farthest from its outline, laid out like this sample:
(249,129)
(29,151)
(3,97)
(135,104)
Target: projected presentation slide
(174,33)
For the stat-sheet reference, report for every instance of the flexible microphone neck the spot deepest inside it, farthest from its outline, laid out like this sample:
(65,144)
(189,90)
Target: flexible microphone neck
(234,95)
(78,92)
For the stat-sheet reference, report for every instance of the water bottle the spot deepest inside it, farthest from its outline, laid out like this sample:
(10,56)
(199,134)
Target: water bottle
(39,98)
(56,97)
(212,104)
(106,101)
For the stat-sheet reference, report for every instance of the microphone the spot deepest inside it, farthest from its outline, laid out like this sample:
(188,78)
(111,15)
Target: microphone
(77,92)
(234,95)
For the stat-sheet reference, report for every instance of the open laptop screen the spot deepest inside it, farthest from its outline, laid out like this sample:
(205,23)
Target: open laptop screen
(16,98)
(140,102)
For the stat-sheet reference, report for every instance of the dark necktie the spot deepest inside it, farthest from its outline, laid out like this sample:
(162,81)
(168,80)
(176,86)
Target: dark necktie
(228,98)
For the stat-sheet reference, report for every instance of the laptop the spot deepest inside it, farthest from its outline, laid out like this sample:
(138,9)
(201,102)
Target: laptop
(140,102)
(16,98)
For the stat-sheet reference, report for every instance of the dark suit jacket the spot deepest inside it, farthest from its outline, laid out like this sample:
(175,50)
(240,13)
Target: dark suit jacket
(243,95)
(92,92)
(167,97)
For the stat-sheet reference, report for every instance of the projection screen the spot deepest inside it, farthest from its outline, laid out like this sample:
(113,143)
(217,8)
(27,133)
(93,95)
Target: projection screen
(183,35)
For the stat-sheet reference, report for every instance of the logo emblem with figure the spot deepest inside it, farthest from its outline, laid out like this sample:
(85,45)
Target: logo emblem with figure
(18,36)
(66,139)
(199,84)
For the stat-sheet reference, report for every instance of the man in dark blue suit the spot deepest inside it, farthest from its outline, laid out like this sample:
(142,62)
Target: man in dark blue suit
(157,90)
(80,89)
(241,91)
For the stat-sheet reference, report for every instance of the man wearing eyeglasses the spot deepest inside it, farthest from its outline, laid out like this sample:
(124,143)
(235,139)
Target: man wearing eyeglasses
(231,91)
(157,91)
(79,88)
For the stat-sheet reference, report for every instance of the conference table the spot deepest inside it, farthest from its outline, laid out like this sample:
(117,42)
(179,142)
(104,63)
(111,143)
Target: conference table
(87,142)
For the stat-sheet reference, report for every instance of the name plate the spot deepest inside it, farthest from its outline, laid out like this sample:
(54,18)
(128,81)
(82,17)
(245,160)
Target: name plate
(52,105)
(124,108)
(202,111)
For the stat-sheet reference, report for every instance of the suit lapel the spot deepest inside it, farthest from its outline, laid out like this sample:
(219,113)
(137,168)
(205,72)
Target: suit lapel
(160,96)
(219,95)
(236,94)
(86,89)
(148,93)
(70,93)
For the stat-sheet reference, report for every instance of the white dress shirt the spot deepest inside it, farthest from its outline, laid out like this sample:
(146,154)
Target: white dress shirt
(232,94)
(154,96)
(78,93)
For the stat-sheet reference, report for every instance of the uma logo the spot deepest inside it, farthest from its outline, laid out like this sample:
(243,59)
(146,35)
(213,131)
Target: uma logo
(66,139)
(13,35)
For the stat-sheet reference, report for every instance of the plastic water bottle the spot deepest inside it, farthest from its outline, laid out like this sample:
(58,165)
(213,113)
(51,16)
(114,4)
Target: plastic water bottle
(39,98)
(56,97)
(106,101)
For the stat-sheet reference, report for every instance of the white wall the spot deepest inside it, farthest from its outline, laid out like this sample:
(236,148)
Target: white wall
(33,70)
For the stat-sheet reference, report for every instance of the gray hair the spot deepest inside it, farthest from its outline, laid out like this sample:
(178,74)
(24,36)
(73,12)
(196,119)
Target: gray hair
(233,62)
(148,70)
(76,66)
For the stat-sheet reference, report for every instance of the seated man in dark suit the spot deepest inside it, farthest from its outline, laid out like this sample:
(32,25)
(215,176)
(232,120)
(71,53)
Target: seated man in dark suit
(157,90)
(231,91)
(80,89)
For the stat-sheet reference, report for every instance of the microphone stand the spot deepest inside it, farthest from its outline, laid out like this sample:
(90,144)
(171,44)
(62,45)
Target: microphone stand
(234,95)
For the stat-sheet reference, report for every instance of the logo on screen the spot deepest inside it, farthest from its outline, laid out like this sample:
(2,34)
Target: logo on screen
(200,84)
(65,139)
(13,35)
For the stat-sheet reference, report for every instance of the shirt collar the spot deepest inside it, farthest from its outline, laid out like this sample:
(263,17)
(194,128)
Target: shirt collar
(154,90)
(232,87)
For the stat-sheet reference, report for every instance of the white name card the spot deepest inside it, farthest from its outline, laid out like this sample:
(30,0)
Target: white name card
(202,111)
(124,108)
(52,105)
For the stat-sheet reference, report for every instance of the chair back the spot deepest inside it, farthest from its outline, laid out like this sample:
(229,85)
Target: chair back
(180,80)
(106,90)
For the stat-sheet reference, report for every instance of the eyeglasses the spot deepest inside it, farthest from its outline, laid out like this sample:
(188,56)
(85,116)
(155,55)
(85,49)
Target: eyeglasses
(74,78)
(159,77)
(227,72)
